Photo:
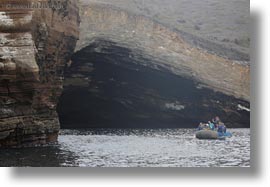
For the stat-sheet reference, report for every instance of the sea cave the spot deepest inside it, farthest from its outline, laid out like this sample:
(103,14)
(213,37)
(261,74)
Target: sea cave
(106,87)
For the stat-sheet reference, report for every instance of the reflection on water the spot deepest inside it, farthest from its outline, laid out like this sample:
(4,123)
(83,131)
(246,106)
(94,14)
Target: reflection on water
(50,156)
(134,148)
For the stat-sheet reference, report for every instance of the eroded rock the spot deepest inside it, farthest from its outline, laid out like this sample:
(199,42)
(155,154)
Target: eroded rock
(173,50)
(35,45)
(108,87)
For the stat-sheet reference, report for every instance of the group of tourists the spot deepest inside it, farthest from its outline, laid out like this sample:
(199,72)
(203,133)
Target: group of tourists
(214,124)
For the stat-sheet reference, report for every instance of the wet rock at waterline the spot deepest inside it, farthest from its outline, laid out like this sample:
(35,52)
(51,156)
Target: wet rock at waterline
(35,45)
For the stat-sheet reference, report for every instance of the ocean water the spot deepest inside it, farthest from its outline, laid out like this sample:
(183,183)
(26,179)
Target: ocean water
(135,148)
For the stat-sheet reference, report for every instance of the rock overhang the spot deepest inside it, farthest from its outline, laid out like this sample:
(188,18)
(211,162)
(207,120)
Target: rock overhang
(29,97)
(109,85)
(216,67)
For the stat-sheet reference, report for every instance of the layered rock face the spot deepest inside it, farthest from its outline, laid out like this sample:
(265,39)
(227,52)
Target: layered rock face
(35,45)
(215,67)
(204,77)
(131,71)
(109,88)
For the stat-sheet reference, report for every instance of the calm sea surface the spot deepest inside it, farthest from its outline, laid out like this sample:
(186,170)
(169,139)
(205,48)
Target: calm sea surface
(135,148)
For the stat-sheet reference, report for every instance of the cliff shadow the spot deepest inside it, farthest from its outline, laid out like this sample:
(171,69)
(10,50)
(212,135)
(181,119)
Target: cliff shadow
(110,86)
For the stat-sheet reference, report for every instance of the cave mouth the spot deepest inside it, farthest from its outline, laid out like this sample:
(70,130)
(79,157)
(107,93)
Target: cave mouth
(107,87)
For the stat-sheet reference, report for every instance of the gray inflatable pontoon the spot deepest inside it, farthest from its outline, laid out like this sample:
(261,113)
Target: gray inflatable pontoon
(208,134)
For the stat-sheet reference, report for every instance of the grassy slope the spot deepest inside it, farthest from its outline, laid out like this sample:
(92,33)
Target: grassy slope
(224,22)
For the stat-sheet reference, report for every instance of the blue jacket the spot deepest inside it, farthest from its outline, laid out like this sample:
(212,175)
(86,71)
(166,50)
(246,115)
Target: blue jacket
(222,129)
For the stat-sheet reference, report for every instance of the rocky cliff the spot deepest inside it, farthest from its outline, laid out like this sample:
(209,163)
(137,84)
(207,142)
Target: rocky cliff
(106,86)
(180,53)
(176,75)
(35,44)
(131,70)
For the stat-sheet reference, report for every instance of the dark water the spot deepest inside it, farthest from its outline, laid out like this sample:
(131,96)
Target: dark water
(135,148)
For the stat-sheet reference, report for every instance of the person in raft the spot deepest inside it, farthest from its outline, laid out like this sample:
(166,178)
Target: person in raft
(211,125)
(216,121)
(203,126)
(206,126)
(215,124)
(221,128)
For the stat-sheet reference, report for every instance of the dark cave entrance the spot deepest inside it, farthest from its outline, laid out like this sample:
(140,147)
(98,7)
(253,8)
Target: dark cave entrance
(106,87)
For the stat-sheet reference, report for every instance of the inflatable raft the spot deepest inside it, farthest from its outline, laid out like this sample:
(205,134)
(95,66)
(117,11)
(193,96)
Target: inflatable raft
(211,134)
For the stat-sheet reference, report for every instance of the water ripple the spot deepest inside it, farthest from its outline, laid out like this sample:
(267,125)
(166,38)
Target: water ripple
(154,148)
